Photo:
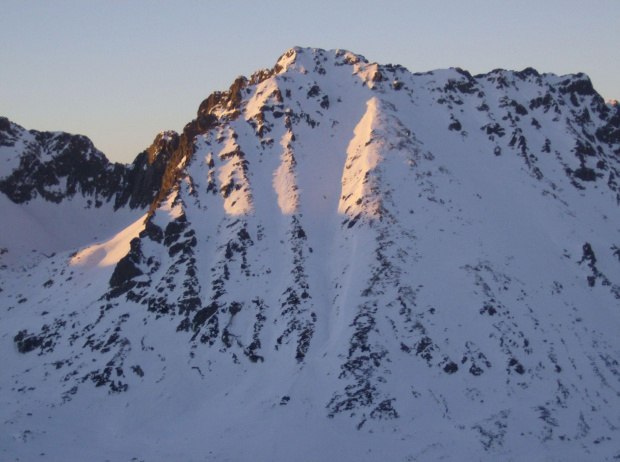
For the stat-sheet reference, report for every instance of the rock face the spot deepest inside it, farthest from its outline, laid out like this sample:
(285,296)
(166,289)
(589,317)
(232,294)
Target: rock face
(401,266)
(144,178)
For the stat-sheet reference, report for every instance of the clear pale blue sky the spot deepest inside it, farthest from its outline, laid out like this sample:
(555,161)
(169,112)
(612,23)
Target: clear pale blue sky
(121,71)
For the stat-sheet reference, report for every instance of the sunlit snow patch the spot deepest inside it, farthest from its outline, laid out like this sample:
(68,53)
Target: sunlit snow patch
(110,252)
(284,180)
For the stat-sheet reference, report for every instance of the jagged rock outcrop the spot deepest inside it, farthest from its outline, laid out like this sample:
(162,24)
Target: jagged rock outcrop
(143,179)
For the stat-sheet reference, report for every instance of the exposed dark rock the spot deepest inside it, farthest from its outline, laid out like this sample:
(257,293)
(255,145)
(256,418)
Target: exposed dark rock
(9,132)
(585,174)
(494,129)
(145,174)
(314,91)
(138,370)
(462,86)
(580,84)
(324,102)
(27,342)
(202,315)
(588,255)
(610,133)
(527,72)
(451,368)
(455,125)
(152,231)
(126,270)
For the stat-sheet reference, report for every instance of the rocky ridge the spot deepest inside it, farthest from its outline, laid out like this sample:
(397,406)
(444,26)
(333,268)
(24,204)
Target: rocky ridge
(56,166)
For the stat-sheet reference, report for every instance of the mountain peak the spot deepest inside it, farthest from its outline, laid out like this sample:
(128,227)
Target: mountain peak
(310,59)
(421,264)
(165,143)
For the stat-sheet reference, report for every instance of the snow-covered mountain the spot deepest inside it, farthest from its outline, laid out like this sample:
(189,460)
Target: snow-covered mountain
(345,261)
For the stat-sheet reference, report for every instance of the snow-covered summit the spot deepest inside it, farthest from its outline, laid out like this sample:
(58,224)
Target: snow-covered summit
(310,59)
(401,266)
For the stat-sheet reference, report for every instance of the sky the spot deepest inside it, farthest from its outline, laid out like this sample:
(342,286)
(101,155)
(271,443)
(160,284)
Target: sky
(119,72)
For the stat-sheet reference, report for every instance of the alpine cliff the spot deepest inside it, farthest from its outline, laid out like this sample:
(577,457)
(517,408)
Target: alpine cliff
(336,260)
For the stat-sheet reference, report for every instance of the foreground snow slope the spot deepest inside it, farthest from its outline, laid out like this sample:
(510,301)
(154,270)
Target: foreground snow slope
(348,262)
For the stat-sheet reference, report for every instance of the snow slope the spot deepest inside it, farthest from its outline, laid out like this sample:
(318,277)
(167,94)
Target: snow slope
(353,262)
